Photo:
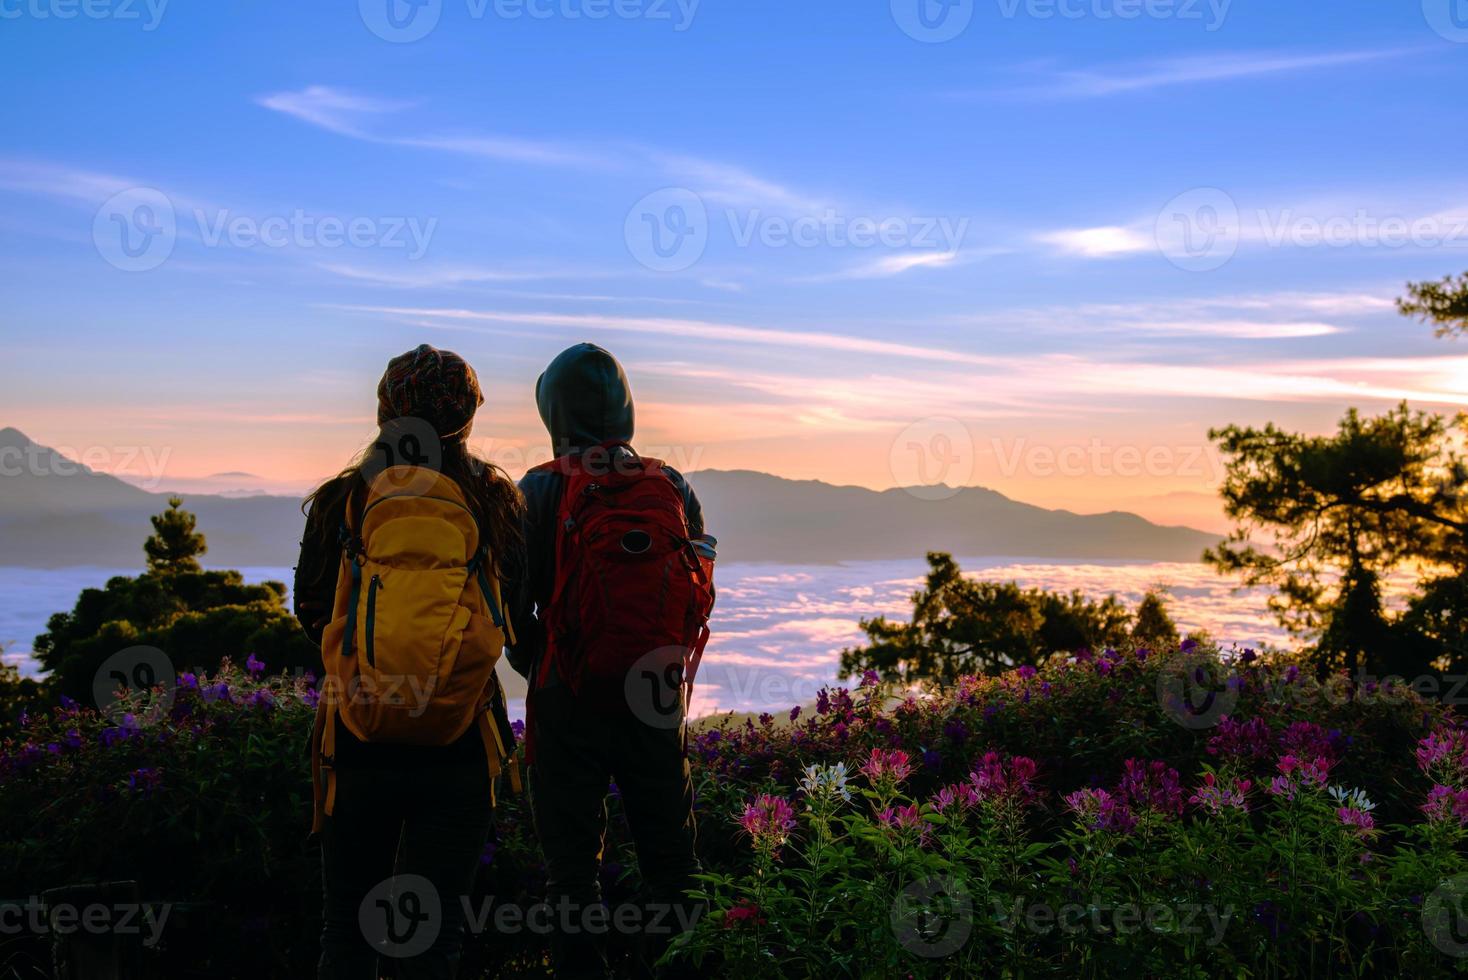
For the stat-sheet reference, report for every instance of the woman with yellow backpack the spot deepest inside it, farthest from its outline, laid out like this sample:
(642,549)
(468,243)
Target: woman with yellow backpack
(399,580)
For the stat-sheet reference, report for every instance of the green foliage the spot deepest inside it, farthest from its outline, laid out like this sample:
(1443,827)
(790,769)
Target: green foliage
(197,618)
(174,545)
(1337,514)
(914,878)
(202,794)
(1444,304)
(18,695)
(966,626)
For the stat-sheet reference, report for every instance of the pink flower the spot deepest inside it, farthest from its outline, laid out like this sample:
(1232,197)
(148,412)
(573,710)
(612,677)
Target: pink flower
(768,821)
(1445,803)
(1444,754)
(745,912)
(1297,774)
(1151,786)
(893,765)
(1216,797)
(1012,783)
(1358,820)
(1241,740)
(1099,810)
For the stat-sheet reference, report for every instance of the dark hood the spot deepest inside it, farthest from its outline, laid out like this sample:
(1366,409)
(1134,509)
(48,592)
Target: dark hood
(584,399)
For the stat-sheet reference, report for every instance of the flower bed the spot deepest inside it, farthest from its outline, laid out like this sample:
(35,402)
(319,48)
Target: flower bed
(1083,817)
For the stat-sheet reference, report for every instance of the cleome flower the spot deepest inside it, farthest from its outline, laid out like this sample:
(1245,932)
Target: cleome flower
(1216,797)
(768,821)
(1445,803)
(1296,774)
(1153,786)
(1100,810)
(894,765)
(822,784)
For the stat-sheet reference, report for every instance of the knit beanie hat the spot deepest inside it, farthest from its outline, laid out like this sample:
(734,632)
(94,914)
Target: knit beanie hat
(437,386)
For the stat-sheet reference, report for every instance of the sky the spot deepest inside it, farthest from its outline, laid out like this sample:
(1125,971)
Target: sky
(1037,245)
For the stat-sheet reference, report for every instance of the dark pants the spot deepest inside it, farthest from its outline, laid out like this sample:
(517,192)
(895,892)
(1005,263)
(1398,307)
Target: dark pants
(399,853)
(576,753)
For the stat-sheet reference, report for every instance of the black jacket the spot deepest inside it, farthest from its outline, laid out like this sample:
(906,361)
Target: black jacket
(585,402)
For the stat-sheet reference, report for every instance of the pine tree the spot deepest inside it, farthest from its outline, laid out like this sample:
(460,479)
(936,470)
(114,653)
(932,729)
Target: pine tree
(174,546)
(1154,628)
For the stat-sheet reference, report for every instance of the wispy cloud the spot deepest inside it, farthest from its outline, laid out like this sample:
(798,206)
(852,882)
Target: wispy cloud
(1108,241)
(351,114)
(692,329)
(339,112)
(1272,316)
(1172,72)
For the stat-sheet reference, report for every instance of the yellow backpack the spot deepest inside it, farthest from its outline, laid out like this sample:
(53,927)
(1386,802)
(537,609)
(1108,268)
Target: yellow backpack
(416,630)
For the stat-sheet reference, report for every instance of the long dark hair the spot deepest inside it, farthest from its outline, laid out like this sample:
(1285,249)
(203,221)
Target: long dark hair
(496,502)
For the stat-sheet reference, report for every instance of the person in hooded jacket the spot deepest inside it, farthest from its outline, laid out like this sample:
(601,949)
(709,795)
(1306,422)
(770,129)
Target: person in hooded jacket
(585,402)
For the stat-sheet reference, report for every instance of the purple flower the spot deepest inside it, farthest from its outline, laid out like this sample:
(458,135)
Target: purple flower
(795,712)
(1099,810)
(869,678)
(145,781)
(254,665)
(1216,797)
(768,821)
(1151,786)
(1242,740)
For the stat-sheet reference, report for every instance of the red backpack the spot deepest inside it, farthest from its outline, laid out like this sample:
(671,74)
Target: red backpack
(629,608)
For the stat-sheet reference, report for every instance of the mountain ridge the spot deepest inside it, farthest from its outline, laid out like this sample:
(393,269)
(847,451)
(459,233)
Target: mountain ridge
(73,515)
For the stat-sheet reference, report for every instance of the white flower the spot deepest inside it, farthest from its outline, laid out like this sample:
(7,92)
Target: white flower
(1354,799)
(825,783)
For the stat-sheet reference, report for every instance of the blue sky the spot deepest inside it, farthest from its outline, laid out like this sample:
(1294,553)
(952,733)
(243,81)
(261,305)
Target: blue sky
(1098,233)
